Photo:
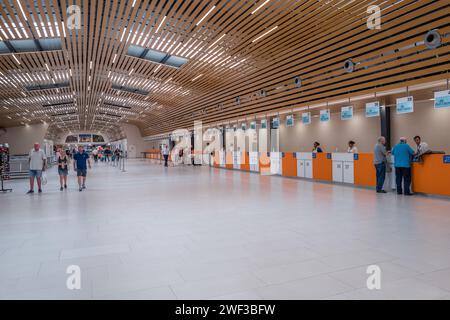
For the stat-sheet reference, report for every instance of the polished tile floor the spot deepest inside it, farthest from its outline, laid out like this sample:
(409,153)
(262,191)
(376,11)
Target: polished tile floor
(201,233)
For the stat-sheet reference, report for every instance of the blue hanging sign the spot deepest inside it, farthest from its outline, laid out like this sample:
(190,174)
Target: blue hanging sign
(347,113)
(442,99)
(290,120)
(372,109)
(253,125)
(405,105)
(306,118)
(325,115)
(264,124)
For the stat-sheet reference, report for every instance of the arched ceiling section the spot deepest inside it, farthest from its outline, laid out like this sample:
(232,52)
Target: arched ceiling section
(163,64)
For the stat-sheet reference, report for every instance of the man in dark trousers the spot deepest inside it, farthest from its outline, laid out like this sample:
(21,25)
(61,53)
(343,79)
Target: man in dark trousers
(403,155)
(81,160)
(165,153)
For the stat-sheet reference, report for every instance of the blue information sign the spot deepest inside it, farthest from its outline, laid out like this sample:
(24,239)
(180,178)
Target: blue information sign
(405,105)
(442,99)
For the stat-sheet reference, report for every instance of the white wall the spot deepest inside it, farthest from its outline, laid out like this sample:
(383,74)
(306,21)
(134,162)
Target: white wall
(331,135)
(433,125)
(135,141)
(21,139)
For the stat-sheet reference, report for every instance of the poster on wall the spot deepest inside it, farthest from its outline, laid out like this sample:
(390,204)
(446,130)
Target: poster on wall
(85,138)
(290,120)
(442,99)
(71,139)
(347,113)
(373,109)
(275,123)
(253,125)
(325,115)
(405,105)
(97,138)
(306,118)
(264,124)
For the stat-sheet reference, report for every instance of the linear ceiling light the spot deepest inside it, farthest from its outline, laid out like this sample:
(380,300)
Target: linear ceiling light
(265,33)
(217,40)
(21,9)
(197,77)
(259,7)
(123,33)
(213,7)
(17,60)
(162,21)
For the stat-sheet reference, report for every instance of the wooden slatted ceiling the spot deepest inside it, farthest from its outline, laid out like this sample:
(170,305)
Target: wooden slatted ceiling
(305,39)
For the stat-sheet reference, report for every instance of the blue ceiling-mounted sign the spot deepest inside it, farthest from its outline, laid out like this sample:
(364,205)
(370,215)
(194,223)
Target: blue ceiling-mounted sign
(442,99)
(325,115)
(373,109)
(347,113)
(405,105)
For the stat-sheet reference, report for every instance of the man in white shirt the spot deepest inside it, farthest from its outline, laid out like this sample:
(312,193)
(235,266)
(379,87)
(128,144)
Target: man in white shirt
(37,161)
(165,153)
(422,149)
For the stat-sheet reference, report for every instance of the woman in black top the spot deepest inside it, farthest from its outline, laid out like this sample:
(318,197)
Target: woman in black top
(63,169)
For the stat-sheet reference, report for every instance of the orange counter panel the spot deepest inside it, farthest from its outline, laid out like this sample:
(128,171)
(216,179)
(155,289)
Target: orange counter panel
(432,176)
(245,164)
(289,165)
(229,160)
(322,167)
(365,174)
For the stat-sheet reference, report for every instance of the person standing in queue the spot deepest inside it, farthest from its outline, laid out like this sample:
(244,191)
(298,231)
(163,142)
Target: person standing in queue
(403,155)
(379,160)
(165,153)
(80,164)
(317,148)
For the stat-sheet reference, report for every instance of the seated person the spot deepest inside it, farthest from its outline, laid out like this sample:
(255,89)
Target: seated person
(317,148)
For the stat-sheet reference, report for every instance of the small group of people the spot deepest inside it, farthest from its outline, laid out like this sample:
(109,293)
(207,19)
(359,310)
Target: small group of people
(351,147)
(38,165)
(403,157)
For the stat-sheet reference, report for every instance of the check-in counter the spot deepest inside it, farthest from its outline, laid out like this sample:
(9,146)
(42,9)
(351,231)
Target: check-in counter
(245,161)
(254,161)
(322,166)
(289,164)
(343,168)
(304,164)
(432,175)
(229,162)
(276,166)
(236,160)
(222,158)
(264,163)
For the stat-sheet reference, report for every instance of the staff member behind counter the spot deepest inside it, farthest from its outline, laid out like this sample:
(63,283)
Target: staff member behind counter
(422,148)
